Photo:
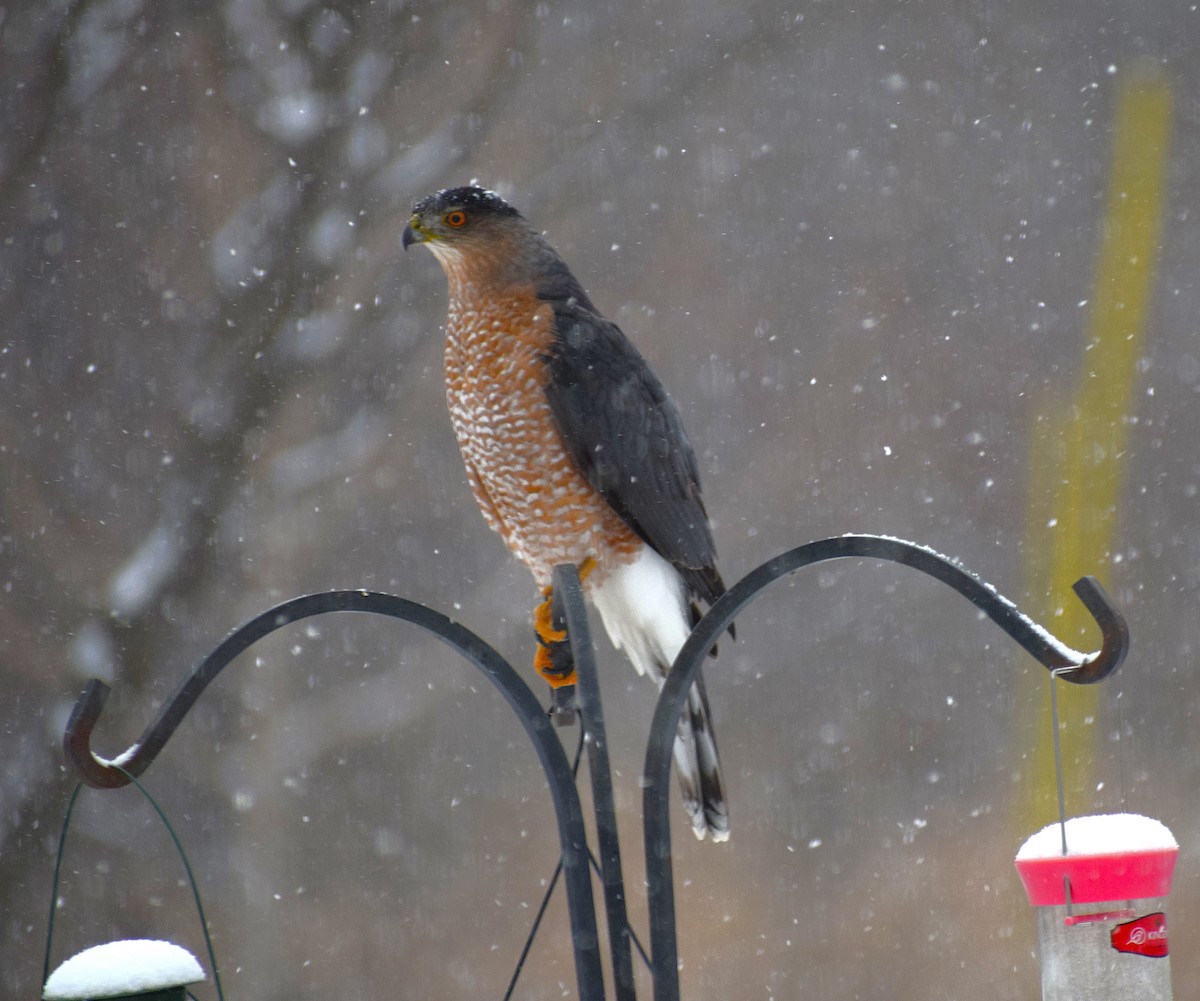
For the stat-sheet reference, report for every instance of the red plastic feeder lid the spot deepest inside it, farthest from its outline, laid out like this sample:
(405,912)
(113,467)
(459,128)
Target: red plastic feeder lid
(1116,856)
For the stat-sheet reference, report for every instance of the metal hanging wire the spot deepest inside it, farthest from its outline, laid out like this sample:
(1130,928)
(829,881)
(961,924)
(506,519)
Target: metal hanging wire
(551,885)
(187,866)
(1056,735)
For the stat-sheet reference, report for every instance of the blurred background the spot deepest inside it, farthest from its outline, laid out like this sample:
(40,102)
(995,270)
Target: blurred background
(924,269)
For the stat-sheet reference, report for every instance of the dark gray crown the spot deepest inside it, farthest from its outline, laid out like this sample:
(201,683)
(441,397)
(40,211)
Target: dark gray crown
(469,197)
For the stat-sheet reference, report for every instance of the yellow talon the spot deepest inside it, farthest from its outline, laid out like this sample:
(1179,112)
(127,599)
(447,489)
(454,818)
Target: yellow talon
(543,621)
(549,638)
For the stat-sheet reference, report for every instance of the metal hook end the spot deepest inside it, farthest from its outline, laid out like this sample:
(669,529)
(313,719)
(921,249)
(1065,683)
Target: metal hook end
(77,740)
(1113,629)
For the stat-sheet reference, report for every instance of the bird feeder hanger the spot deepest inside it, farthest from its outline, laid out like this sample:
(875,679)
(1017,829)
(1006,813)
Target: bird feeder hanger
(570,611)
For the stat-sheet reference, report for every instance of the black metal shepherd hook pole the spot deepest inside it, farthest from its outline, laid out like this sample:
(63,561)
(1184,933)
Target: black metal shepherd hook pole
(568,598)
(569,607)
(101,773)
(1083,669)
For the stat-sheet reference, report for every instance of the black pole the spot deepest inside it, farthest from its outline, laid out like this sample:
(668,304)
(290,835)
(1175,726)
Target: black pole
(569,592)
(99,772)
(1042,645)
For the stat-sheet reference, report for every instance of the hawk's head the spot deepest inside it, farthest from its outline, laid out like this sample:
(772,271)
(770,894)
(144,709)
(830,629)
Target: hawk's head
(456,217)
(482,242)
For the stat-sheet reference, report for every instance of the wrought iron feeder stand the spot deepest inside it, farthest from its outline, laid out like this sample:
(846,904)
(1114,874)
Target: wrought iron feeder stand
(571,612)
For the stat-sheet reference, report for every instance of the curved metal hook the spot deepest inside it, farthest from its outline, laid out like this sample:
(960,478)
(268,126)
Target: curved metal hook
(96,771)
(1081,669)
(99,772)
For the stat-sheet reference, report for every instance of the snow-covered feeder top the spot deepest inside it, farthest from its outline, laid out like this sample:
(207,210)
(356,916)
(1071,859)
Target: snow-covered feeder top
(1116,856)
(118,969)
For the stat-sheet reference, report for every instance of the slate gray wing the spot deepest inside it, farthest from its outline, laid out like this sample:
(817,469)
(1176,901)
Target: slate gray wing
(625,434)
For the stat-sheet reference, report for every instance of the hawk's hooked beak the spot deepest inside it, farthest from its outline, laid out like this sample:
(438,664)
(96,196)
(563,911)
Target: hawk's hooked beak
(414,232)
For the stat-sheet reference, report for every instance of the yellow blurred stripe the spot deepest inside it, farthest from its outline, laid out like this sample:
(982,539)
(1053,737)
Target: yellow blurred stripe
(1078,447)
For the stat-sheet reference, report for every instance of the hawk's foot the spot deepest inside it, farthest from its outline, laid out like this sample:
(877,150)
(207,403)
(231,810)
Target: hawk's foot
(553,657)
(553,662)
(543,620)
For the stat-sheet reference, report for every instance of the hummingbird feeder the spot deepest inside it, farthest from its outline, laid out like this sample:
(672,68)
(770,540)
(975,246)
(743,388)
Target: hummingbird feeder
(1100,886)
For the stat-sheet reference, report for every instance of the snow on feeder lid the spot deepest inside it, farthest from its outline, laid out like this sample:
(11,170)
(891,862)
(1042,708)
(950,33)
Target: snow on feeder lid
(135,968)
(1118,856)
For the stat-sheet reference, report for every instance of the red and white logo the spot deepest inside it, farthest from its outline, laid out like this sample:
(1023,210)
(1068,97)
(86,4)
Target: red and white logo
(1146,936)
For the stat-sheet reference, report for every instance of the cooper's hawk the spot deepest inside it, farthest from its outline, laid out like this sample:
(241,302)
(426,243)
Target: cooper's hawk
(575,453)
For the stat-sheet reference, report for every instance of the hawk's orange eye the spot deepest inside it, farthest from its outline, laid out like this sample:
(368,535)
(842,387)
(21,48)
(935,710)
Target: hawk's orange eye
(456,219)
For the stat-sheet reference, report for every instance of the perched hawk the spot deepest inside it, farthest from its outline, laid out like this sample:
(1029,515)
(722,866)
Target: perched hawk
(575,453)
